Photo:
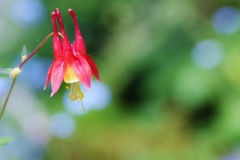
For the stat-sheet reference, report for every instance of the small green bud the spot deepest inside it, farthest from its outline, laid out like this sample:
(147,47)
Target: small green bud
(24,53)
(15,72)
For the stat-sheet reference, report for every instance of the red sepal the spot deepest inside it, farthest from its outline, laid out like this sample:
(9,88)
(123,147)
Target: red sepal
(93,66)
(58,69)
(83,72)
(48,76)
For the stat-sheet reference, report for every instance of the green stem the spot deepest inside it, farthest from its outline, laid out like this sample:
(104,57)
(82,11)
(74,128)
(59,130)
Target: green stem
(6,101)
(35,50)
(20,66)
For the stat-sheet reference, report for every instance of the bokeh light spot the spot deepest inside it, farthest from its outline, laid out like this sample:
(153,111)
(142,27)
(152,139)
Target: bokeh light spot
(97,98)
(27,12)
(4,85)
(207,54)
(34,72)
(62,125)
(226,20)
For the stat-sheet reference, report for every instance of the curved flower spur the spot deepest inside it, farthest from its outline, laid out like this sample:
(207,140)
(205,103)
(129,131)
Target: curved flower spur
(71,61)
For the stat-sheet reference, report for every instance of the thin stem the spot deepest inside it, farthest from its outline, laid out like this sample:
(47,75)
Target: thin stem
(20,66)
(35,51)
(6,101)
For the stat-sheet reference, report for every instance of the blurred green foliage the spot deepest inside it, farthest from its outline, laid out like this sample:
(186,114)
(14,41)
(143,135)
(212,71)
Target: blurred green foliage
(163,105)
(5,140)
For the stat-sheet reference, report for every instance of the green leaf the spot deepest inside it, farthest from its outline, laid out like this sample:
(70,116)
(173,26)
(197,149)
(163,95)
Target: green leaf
(24,53)
(5,71)
(5,140)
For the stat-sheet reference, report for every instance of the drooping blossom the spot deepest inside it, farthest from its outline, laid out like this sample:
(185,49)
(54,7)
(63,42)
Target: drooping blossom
(71,61)
(79,47)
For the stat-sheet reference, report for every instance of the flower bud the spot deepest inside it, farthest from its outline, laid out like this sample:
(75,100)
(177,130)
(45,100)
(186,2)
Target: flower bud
(24,53)
(24,57)
(15,72)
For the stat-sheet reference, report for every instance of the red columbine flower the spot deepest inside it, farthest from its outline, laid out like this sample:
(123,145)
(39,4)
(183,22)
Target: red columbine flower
(71,62)
(79,47)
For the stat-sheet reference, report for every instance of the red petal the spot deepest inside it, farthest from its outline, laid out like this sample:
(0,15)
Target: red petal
(57,75)
(67,51)
(79,47)
(57,46)
(59,17)
(83,71)
(79,43)
(93,66)
(90,61)
(48,76)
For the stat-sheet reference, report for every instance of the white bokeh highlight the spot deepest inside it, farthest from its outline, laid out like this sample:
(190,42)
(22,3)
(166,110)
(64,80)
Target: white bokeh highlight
(62,125)
(26,121)
(34,73)
(97,98)
(27,12)
(207,54)
(4,86)
(226,20)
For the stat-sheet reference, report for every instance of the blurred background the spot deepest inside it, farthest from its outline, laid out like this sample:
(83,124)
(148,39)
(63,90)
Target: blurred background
(170,86)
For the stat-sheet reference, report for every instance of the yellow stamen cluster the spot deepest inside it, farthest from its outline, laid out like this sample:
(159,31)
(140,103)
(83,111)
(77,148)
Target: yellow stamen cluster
(76,93)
